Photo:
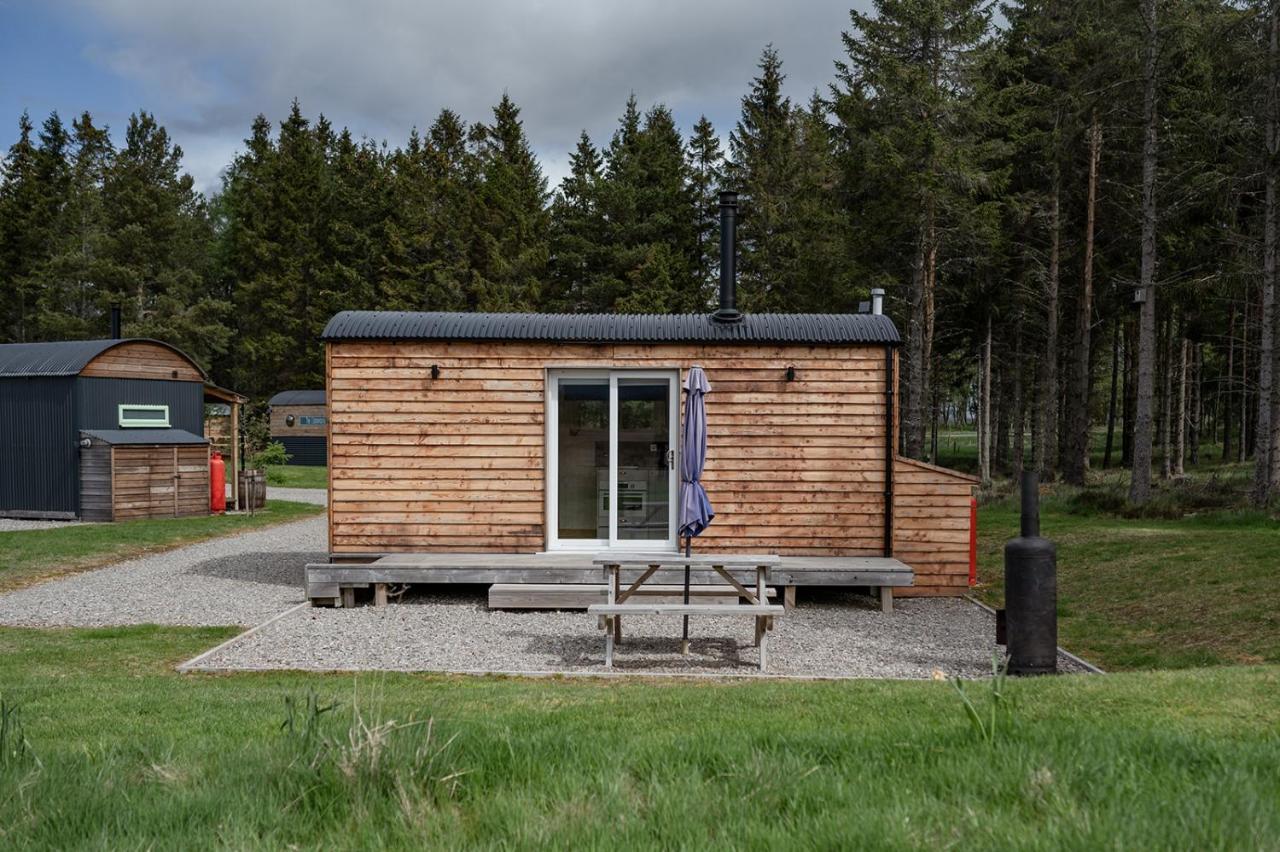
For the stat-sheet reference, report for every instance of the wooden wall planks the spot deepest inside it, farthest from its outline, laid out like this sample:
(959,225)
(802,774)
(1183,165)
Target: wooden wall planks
(135,359)
(457,463)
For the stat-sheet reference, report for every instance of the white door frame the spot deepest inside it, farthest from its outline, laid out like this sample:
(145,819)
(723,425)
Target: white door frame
(554,377)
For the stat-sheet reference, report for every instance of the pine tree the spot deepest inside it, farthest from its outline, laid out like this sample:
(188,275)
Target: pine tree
(764,170)
(70,307)
(19,236)
(579,269)
(155,249)
(900,93)
(706,168)
(512,223)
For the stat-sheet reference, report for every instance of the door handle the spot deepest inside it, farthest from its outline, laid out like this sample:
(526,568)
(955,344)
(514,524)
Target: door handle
(671,459)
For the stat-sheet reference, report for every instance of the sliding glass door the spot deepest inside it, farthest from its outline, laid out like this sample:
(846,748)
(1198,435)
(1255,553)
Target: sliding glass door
(611,441)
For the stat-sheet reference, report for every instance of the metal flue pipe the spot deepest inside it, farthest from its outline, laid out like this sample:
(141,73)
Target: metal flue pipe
(728,310)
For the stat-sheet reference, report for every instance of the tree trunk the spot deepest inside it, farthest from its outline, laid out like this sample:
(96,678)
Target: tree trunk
(1226,395)
(1166,399)
(1180,414)
(984,431)
(1264,440)
(1111,405)
(1019,450)
(1196,413)
(1129,399)
(1242,446)
(1046,450)
(1140,483)
(917,391)
(1076,459)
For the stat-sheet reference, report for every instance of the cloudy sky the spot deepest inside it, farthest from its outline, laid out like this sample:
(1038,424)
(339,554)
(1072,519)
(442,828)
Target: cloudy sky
(207,68)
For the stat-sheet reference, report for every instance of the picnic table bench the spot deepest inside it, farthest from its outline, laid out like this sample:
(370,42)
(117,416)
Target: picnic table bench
(723,565)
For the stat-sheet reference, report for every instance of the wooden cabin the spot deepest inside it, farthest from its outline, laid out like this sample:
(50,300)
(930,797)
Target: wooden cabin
(500,448)
(105,430)
(555,435)
(299,421)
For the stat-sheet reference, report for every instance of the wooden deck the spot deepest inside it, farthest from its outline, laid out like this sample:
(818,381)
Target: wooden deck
(325,582)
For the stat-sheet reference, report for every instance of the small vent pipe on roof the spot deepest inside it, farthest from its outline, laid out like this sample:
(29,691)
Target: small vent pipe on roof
(728,310)
(877,301)
(115,322)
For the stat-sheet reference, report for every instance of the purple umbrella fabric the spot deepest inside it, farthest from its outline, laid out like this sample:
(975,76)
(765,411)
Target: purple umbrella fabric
(695,509)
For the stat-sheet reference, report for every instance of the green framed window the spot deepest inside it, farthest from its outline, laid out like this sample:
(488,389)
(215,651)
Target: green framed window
(133,416)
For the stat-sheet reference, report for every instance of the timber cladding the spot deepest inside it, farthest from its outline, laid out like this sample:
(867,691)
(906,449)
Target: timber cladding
(457,463)
(136,359)
(143,481)
(280,428)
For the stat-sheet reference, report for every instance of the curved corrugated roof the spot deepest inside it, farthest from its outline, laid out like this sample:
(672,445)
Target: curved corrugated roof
(612,328)
(298,397)
(63,357)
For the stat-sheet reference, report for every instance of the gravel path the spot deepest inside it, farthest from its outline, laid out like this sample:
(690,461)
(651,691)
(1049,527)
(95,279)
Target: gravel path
(235,580)
(831,634)
(18,525)
(318,496)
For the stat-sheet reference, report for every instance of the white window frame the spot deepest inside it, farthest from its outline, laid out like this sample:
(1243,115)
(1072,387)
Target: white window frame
(554,377)
(162,421)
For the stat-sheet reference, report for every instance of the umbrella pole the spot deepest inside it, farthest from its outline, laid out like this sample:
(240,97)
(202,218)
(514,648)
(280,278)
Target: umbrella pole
(684,638)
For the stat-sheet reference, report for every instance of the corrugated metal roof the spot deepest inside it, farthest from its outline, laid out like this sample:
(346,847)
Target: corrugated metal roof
(144,436)
(612,328)
(298,397)
(62,357)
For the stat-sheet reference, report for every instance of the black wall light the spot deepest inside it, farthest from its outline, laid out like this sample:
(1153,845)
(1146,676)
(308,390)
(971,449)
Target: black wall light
(435,371)
(791,374)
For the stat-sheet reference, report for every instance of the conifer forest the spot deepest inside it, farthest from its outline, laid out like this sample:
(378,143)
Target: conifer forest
(1070,203)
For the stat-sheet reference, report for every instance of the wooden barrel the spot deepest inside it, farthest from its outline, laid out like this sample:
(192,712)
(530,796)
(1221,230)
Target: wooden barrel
(253,489)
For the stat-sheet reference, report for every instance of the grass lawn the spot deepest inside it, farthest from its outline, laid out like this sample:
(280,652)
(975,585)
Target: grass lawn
(297,476)
(1152,593)
(33,555)
(132,755)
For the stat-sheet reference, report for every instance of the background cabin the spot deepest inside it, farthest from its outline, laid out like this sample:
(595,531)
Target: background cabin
(105,430)
(299,421)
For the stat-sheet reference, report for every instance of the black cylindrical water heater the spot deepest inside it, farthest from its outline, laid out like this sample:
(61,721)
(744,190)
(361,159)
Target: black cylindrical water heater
(1031,591)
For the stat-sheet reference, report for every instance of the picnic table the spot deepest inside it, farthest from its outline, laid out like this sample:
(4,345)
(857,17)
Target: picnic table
(723,566)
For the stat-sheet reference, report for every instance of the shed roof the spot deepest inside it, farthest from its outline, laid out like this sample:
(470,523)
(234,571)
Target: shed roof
(613,328)
(298,397)
(63,357)
(145,436)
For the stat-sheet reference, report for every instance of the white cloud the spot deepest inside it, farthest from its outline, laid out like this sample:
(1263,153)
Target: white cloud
(383,67)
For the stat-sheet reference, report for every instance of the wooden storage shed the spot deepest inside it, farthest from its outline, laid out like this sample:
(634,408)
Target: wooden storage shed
(104,429)
(299,421)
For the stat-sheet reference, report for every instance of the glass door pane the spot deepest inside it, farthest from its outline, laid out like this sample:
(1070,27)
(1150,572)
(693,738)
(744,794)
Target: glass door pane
(644,467)
(582,475)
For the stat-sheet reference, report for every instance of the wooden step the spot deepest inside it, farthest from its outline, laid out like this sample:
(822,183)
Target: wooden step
(629,608)
(582,595)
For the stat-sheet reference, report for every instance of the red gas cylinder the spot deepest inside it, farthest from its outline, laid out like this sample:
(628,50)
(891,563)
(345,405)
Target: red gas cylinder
(217,484)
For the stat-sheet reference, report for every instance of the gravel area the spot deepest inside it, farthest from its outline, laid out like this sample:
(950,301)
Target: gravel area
(318,496)
(18,525)
(830,634)
(235,580)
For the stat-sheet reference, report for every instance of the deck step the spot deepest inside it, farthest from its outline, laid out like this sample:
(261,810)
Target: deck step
(630,608)
(582,595)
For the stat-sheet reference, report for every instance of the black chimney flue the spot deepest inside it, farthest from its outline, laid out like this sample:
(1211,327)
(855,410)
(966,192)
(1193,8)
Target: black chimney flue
(728,310)
(115,322)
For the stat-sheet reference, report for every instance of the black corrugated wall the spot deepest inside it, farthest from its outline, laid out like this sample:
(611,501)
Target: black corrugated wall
(38,454)
(98,401)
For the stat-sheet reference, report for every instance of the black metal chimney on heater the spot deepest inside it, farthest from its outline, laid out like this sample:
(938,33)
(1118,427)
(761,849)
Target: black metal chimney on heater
(115,322)
(728,310)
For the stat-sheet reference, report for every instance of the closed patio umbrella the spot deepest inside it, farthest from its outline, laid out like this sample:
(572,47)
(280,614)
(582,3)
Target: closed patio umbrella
(696,512)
